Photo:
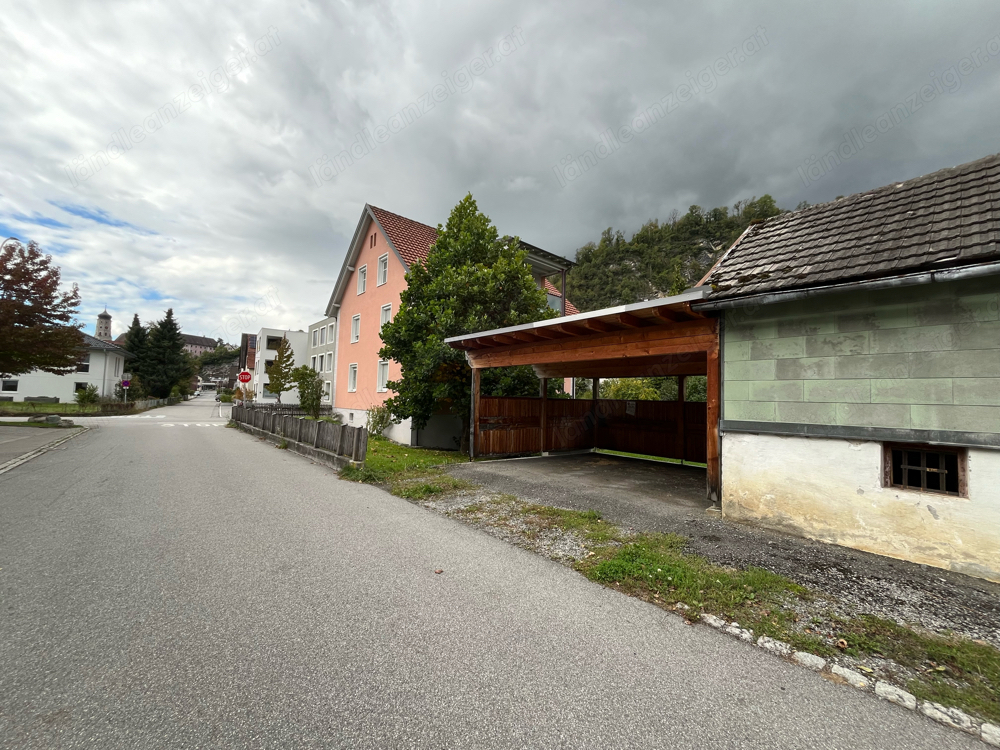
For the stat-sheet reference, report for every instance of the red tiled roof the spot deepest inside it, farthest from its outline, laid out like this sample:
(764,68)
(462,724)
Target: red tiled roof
(551,289)
(412,239)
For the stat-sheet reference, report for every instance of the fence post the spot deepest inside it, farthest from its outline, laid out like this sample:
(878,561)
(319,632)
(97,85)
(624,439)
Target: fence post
(298,432)
(319,426)
(361,445)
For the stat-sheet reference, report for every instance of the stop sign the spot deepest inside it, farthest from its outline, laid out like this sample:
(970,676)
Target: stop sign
(244,377)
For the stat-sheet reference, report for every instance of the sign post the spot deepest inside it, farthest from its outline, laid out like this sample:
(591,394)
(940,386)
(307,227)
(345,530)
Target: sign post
(126,381)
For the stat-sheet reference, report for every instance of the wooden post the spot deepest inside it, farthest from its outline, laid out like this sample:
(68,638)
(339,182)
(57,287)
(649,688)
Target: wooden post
(681,436)
(714,462)
(474,416)
(544,388)
(595,385)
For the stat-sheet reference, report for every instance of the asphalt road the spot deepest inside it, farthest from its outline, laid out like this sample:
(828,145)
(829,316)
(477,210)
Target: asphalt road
(169,586)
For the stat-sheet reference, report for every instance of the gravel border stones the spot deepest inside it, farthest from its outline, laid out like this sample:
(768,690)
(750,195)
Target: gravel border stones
(808,660)
(991,734)
(854,679)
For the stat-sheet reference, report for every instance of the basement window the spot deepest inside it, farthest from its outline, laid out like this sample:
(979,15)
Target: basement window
(926,468)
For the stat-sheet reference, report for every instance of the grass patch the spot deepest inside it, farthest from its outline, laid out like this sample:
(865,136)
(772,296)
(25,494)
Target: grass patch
(32,424)
(951,671)
(413,473)
(283,445)
(21,408)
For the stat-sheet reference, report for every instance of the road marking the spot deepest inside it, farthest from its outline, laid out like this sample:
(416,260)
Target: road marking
(15,462)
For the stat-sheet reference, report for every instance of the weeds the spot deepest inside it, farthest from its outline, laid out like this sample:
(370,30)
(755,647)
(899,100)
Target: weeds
(283,445)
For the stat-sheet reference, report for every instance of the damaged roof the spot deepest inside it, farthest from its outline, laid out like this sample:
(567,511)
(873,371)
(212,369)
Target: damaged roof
(942,220)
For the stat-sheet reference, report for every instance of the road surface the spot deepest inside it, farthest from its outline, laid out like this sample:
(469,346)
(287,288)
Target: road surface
(166,582)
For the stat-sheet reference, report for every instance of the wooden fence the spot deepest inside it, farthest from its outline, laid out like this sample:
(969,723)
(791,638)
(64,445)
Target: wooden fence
(307,436)
(669,429)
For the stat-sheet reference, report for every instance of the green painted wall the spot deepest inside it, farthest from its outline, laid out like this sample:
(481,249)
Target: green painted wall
(920,358)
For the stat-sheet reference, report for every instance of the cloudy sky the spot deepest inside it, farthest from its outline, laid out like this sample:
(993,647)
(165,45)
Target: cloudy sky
(185,154)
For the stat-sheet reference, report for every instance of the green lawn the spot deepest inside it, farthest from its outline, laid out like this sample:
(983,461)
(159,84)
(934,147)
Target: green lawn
(23,408)
(409,472)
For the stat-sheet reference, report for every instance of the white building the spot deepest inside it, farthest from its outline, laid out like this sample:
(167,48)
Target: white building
(268,340)
(102,366)
(322,353)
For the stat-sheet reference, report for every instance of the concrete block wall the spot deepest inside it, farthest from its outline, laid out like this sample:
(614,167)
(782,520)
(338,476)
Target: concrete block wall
(916,358)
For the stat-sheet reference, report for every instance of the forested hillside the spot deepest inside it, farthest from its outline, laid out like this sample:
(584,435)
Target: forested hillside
(661,258)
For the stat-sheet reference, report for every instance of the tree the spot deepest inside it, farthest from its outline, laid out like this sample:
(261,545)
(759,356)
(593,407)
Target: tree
(472,280)
(629,389)
(662,258)
(310,386)
(137,343)
(35,317)
(223,354)
(167,364)
(87,396)
(279,372)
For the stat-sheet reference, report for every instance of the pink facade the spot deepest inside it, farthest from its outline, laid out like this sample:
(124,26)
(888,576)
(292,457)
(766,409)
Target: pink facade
(368,306)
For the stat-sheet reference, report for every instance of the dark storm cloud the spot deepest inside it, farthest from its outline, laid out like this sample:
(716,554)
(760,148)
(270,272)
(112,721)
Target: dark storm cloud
(221,203)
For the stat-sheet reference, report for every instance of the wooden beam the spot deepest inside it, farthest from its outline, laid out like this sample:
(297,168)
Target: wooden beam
(549,355)
(714,461)
(598,325)
(571,328)
(544,388)
(502,339)
(627,319)
(548,333)
(672,316)
(596,385)
(681,435)
(524,336)
(474,421)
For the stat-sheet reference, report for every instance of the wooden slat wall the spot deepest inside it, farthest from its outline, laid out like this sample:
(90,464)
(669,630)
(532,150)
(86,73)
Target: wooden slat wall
(511,426)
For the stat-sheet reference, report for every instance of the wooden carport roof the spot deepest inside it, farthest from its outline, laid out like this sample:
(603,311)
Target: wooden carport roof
(657,337)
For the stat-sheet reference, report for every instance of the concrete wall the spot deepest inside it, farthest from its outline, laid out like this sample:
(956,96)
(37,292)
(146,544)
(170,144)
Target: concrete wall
(831,490)
(922,358)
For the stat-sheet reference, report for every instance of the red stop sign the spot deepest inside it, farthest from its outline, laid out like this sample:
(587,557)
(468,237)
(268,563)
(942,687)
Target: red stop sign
(244,377)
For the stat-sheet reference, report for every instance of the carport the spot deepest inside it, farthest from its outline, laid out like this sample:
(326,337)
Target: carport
(662,337)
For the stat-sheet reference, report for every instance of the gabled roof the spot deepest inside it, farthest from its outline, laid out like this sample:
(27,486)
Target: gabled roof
(91,342)
(411,242)
(942,220)
(550,288)
(192,340)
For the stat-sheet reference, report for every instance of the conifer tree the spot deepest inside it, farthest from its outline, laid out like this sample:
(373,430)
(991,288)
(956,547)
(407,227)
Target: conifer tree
(168,364)
(279,372)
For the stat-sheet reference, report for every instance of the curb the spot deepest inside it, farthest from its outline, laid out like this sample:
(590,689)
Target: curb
(23,459)
(946,716)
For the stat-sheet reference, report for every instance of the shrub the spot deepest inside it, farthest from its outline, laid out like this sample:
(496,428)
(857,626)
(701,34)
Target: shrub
(379,419)
(87,396)
(225,398)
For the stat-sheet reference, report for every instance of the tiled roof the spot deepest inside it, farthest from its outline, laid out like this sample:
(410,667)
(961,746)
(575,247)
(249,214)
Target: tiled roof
(191,340)
(411,239)
(551,289)
(94,343)
(941,220)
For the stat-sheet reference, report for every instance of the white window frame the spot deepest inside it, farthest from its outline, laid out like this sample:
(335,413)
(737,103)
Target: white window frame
(321,363)
(381,384)
(356,329)
(330,335)
(322,336)
(362,279)
(327,390)
(382,270)
(329,361)
(314,363)
(315,336)
(352,377)
(386,315)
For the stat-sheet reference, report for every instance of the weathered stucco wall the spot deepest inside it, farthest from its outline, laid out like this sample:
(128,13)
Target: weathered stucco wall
(918,358)
(831,490)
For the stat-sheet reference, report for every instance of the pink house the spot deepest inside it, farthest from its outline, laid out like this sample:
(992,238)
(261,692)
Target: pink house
(367,294)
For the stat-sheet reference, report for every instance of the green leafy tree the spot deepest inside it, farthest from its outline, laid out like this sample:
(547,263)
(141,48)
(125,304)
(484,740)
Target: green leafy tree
(222,355)
(35,317)
(629,389)
(662,258)
(167,364)
(310,386)
(279,372)
(473,280)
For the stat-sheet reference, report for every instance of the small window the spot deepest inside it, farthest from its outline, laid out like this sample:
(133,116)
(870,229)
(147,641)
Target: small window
(383,376)
(320,363)
(329,362)
(362,279)
(386,314)
(329,336)
(84,364)
(315,335)
(322,336)
(80,386)
(355,329)
(273,342)
(926,468)
(9,386)
(326,391)
(314,363)
(352,378)
(383,270)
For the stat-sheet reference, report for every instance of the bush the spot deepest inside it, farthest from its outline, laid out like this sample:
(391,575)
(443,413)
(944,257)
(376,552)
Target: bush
(87,396)
(225,398)
(379,419)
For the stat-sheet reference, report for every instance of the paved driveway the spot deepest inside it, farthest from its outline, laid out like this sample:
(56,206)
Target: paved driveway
(169,587)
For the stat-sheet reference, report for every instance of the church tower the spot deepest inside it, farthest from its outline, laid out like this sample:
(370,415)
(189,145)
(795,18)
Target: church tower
(103,329)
